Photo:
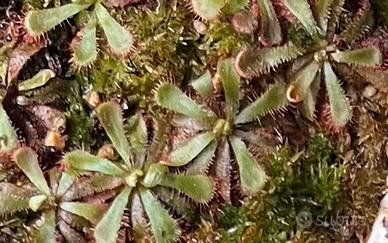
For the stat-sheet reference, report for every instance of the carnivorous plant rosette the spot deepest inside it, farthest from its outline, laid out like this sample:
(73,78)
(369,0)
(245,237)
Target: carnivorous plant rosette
(84,46)
(55,207)
(141,173)
(315,50)
(218,133)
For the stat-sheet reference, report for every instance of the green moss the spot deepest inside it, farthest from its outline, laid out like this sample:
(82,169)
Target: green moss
(223,40)
(80,124)
(306,183)
(165,48)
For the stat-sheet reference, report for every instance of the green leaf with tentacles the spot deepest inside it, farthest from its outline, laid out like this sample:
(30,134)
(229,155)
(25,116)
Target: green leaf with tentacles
(39,79)
(368,57)
(339,108)
(27,160)
(109,114)
(203,84)
(190,149)
(270,22)
(231,83)
(91,212)
(335,16)
(322,12)
(46,232)
(81,160)
(92,185)
(163,226)
(107,229)
(302,80)
(273,99)
(301,10)
(207,9)
(12,199)
(234,6)
(250,63)
(119,39)
(85,49)
(252,176)
(8,136)
(197,187)
(40,21)
(202,162)
(358,27)
(171,97)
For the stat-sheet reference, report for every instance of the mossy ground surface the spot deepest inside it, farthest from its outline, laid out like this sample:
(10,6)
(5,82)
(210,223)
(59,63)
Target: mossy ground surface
(322,186)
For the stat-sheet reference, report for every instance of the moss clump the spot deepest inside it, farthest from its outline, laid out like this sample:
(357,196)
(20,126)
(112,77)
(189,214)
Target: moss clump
(79,121)
(164,49)
(303,187)
(222,40)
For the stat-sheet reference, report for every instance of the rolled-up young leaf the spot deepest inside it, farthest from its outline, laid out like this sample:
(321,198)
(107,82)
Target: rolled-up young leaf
(154,175)
(66,181)
(137,133)
(36,202)
(270,22)
(309,101)
(303,78)
(322,12)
